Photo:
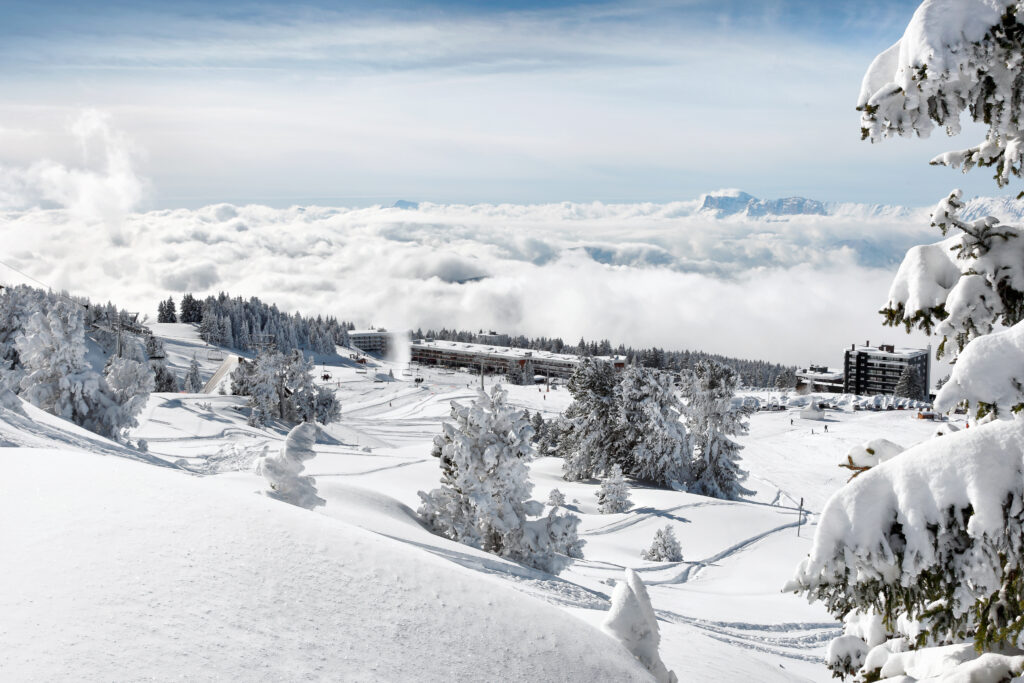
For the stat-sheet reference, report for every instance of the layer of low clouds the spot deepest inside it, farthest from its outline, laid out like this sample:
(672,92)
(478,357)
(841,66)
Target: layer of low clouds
(794,289)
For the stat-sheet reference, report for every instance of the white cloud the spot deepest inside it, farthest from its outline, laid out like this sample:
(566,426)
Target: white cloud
(101,191)
(795,290)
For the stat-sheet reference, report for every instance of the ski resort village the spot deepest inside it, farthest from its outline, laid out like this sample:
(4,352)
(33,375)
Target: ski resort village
(263,417)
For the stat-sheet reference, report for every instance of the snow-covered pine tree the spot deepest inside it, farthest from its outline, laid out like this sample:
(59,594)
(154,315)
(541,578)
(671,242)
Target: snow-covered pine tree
(484,499)
(538,424)
(193,382)
(551,437)
(664,548)
(514,374)
(613,494)
(283,472)
(266,400)
(910,384)
(937,548)
(17,305)
(191,309)
(653,438)
(526,377)
(57,379)
(631,621)
(131,383)
(590,445)
(711,419)
(163,379)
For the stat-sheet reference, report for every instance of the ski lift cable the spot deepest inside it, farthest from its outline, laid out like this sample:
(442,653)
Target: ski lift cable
(50,288)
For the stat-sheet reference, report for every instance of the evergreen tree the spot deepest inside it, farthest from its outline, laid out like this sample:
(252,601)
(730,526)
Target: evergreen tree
(711,419)
(590,444)
(936,558)
(57,378)
(191,309)
(193,382)
(539,427)
(165,312)
(266,400)
(664,548)
(613,494)
(514,375)
(910,384)
(549,440)
(130,382)
(163,379)
(526,376)
(484,500)
(653,440)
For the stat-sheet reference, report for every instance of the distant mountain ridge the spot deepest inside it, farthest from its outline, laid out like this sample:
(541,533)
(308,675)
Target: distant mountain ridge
(731,203)
(727,203)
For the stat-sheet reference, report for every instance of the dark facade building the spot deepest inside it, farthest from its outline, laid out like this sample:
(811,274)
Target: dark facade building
(870,370)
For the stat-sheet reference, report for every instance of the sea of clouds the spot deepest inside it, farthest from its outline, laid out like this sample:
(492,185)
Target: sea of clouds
(792,289)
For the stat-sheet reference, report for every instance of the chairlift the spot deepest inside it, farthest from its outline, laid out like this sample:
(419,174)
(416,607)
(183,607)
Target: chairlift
(214,354)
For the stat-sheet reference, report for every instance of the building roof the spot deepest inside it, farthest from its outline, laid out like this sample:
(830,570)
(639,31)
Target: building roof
(897,352)
(832,375)
(505,351)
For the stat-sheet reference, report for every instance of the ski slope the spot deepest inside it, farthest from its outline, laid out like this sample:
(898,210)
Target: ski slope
(381,579)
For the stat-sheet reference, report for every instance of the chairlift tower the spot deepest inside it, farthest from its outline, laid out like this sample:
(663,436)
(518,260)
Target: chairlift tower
(263,343)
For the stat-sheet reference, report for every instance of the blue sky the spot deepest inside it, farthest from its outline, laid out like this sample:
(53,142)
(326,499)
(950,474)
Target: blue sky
(464,101)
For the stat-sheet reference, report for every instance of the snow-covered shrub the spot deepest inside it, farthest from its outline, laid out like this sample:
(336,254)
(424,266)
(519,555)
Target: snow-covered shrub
(632,622)
(193,382)
(711,418)
(613,494)
(556,498)
(933,540)
(654,444)
(664,548)
(283,471)
(484,500)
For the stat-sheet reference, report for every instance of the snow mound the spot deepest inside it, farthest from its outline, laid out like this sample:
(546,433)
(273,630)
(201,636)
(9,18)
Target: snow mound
(127,570)
(873,452)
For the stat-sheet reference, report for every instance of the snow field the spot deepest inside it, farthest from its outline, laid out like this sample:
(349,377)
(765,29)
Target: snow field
(722,615)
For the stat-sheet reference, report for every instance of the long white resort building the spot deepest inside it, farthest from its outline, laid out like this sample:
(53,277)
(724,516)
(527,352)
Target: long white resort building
(498,359)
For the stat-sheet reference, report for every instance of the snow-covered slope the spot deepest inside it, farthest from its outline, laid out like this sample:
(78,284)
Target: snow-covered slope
(129,572)
(137,534)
